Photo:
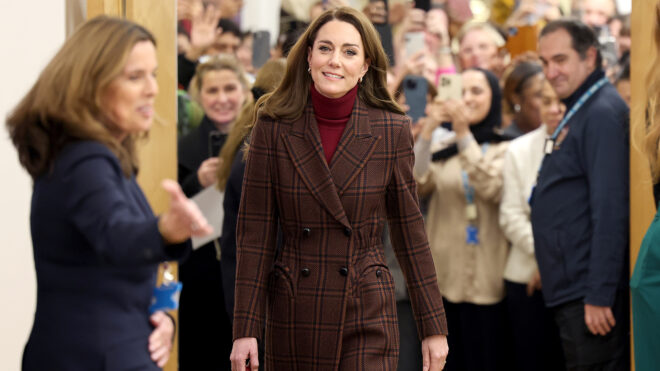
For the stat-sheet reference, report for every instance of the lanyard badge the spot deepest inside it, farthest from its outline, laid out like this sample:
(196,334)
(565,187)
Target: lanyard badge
(166,296)
(471,214)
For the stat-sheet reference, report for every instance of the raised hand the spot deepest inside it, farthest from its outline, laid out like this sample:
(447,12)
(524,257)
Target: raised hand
(183,219)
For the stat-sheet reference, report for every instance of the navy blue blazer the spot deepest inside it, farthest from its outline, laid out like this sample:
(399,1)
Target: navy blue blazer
(96,252)
(580,204)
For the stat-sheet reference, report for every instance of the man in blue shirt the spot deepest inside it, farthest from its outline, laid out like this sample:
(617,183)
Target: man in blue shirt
(580,204)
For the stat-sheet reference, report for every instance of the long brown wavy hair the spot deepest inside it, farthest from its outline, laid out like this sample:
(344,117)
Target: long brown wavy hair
(267,79)
(65,103)
(651,143)
(290,98)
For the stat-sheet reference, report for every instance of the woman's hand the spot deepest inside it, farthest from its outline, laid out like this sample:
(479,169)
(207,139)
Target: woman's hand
(160,340)
(534,283)
(458,114)
(183,219)
(434,352)
(244,349)
(207,174)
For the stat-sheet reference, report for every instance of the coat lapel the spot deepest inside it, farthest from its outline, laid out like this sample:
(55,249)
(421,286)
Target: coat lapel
(355,147)
(303,143)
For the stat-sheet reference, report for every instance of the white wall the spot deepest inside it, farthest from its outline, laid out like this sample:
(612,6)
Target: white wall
(31,32)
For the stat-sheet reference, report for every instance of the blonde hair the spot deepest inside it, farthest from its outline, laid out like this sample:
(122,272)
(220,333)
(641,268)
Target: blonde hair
(651,141)
(494,35)
(216,63)
(267,79)
(290,98)
(64,104)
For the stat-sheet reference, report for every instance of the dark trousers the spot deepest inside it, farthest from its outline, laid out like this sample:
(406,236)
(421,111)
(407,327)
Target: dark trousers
(536,344)
(410,348)
(587,352)
(478,337)
(205,333)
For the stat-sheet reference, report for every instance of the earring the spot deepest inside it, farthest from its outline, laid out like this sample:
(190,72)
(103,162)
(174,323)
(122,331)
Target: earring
(516,107)
(361,79)
(309,69)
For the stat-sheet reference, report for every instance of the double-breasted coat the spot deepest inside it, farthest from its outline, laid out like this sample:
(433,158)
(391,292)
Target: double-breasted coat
(326,298)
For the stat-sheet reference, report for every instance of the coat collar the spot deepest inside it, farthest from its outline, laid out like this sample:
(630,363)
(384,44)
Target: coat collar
(328,183)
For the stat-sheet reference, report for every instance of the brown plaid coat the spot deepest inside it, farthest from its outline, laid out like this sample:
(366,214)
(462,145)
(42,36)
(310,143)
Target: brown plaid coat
(327,298)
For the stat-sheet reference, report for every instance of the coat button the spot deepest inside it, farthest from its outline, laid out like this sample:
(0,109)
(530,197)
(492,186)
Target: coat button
(343,271)
(379,273)
(347,232)
(305,272)
(306,232)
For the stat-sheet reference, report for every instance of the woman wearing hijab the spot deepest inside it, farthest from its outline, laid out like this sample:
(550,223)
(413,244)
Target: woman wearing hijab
(463,179)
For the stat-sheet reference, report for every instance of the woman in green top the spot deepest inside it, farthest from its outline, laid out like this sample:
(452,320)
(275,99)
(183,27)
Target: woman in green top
(645,281)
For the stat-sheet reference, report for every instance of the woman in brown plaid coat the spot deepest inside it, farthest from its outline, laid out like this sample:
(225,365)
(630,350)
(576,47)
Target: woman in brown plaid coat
(329,180)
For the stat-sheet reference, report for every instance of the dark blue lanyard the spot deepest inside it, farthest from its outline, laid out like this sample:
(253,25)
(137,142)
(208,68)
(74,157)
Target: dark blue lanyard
(550,142)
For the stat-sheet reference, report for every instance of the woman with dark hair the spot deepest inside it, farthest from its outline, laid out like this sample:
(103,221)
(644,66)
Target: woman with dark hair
(330,160)
(536,341)
(463,179)
(523,94)
(96,242)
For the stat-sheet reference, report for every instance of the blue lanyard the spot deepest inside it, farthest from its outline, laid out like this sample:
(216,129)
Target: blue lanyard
(594,88)
(469,190)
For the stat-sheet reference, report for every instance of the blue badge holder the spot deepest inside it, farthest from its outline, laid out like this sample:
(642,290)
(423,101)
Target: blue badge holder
(165,297)
(472,235)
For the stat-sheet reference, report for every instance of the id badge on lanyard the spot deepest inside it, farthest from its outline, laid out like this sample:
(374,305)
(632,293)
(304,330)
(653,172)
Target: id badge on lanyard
(166,296)
(471,214)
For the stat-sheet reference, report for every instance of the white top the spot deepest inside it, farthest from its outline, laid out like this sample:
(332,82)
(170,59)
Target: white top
(521,166)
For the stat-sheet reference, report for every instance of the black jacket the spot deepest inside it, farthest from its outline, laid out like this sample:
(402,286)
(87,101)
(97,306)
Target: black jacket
(580,204)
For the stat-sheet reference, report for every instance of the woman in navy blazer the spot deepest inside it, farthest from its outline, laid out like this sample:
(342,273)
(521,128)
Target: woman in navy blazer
(96,242)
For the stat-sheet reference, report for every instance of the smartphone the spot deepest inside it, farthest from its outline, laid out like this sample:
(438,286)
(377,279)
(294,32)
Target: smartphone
(450,86)
(415,89)
(216,140)
(522,39)
(414,42)
(260,48)
(385,32)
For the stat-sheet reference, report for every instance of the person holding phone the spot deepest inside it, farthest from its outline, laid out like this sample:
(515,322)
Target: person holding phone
(330,161)
(221,88)
(95,239)
(463,180)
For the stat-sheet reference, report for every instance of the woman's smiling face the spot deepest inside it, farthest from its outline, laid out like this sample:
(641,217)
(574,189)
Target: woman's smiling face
(336,59)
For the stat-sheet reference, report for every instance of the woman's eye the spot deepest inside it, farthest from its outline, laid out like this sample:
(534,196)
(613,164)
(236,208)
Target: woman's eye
(324,48)
(351,52)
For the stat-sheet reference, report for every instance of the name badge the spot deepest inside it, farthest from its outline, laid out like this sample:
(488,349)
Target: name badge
(471,212)
(165,297)
(549,146)
(472,235)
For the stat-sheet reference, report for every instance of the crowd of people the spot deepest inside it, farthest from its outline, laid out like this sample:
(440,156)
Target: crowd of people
(404,187)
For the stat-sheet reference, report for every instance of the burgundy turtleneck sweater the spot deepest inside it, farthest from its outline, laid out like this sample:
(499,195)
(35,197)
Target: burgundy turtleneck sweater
(332,114)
